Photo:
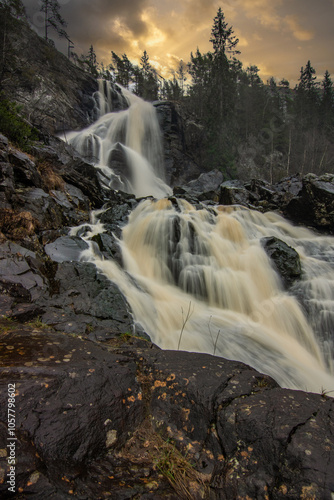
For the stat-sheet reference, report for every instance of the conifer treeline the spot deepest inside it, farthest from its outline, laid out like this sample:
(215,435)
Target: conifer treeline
(250,128)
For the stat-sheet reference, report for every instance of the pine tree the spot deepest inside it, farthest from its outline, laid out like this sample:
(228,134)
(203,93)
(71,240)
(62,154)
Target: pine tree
(307,97)
(181,74)
(222,36)
(307,78)
(125,71)
(327,104)
(53,19)
(92,61)
(149,79)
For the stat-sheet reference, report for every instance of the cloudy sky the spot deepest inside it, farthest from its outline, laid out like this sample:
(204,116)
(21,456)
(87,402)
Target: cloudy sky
(278,36)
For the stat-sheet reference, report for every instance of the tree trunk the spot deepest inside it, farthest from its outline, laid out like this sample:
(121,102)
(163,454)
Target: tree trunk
(289,154)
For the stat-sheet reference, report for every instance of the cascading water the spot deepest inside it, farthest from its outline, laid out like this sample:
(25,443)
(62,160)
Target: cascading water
(199,279)
(133,135)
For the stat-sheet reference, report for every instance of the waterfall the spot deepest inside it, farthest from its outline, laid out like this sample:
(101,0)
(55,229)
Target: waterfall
(200,280)
(124,146)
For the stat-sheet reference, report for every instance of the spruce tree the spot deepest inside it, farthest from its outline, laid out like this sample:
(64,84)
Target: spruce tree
(327,104)
(92,61)
(222,37)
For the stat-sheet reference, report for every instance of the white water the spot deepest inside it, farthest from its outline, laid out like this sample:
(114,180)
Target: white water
(135,134)
(199,280)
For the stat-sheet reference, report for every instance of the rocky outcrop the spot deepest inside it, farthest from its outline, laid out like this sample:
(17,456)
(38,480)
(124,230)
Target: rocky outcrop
(126,420)
(305,200)
(180,164)
(314,203)
(40,273)
(54,94)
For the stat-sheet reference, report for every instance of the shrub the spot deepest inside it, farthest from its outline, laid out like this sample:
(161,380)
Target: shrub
(13,126)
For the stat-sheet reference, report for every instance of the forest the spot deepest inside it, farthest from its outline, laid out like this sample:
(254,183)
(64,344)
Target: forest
(249,128)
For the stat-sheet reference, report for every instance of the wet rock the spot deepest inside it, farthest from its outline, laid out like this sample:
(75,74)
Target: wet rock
(205,187)
(315,203)
(3,142)
(85,177)
(180,158)
(116,214)
(78,199)
(21,282)
(94,419)
(285,258)
(25,171)
(69,405)
(234,193)
(86,301)
(118,162)
(109,245)
(66,249)
(7,182)
(209,181)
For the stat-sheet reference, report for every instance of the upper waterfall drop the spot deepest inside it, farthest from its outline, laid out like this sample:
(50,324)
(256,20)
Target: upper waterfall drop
(125,145)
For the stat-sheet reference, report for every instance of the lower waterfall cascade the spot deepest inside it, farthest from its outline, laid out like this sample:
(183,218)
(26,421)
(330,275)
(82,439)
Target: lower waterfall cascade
(198,279)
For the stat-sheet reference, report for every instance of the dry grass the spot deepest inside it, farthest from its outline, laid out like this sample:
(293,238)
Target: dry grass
(17,225)
(148,447)
(51,180)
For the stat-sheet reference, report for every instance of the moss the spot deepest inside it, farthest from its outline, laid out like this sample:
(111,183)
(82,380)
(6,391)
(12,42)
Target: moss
(13,126)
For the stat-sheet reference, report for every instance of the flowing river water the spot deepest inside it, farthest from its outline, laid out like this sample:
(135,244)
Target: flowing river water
(199,279)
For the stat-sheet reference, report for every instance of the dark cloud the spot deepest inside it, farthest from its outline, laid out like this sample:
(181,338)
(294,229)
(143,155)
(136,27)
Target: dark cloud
(279,36)
(95,22)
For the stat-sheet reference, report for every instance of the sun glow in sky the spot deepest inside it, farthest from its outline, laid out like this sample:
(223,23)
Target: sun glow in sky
(278,36)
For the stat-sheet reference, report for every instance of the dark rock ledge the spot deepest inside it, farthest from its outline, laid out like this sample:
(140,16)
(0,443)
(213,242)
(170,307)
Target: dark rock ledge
(126,420)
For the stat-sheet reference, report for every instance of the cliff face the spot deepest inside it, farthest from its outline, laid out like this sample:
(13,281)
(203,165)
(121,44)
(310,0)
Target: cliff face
(54,93)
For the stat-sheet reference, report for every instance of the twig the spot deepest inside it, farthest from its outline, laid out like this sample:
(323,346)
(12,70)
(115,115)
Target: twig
(184,322)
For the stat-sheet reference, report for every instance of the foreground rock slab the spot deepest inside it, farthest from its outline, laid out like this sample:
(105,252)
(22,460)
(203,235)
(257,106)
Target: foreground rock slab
(124,419)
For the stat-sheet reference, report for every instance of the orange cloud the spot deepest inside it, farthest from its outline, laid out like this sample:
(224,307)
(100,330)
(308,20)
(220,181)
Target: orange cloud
(298,32)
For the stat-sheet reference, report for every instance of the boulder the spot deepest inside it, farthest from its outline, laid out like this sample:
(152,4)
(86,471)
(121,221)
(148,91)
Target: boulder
(66,249)
(24,170)
(21,282)
(127,420)
(314,205)
(234,193)
(205,188)
(285,258)
(84,176)
(85,301)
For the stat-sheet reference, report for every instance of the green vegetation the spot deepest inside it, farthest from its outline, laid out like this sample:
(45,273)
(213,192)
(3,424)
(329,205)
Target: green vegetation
(37,323)
(13,126)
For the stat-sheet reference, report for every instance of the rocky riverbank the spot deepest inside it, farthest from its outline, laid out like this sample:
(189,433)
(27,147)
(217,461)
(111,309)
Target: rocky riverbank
(101,412)
(124,419)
